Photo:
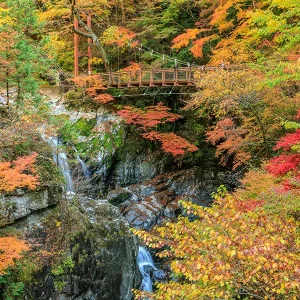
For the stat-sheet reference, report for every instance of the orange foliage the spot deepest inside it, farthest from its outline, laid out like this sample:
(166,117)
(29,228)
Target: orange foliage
(152,116)
(220,14)
(198,45)
(91,83)
(10,250)
(15,174)
(134,69)
(149,117)
(171,142)
(229,140)
(133,66)
(184,39)
(104,98)
(119,36)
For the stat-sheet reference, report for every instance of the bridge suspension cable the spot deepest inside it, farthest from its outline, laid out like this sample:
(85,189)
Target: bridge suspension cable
(146,49)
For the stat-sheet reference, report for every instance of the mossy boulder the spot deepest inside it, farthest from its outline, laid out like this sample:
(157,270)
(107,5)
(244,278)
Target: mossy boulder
(97,253)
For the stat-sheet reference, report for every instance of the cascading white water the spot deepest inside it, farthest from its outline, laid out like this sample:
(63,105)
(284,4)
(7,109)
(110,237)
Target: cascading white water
(85,170)
(146,267)
(61,160)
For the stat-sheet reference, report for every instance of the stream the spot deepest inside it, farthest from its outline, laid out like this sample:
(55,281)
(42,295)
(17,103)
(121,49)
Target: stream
(61,161)
(146,267)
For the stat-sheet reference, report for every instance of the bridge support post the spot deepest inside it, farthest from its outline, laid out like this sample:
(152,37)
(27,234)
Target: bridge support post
(76,50)
(190,76)
(140,78)
(151,78)
(119,79)
(109,80)
(163,77)
(90,41)
(129,81)
(176,77)
(78,54)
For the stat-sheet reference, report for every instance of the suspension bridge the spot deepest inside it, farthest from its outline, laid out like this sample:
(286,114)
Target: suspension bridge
(183,73)
(160,77)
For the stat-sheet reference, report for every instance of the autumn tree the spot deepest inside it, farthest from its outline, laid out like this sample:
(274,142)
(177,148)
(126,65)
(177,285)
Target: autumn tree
(234,249)
(149,118)
(245,113)
(23,58)
(239,31)
(11,249)
(287,164)
(108,29)
(18,174)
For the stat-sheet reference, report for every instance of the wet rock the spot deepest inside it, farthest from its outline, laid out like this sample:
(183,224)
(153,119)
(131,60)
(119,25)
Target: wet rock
(109,271)
(157,200)
(159,275)
(118,196)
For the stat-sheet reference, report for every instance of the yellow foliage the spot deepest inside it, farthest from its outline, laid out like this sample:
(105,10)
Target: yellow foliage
(54,13)
(96,61)
(5,19)
(232,246)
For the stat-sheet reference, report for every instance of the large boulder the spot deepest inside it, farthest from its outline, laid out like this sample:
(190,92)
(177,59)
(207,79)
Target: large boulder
(99,247)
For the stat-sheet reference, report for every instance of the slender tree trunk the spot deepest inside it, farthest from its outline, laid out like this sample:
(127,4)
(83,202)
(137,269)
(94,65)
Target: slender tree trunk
(7,88)
(89,34)
(261,126)
(19,89)
(123,12)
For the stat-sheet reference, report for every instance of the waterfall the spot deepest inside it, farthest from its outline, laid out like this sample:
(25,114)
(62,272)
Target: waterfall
(146,267)
(86,172)
(61,160)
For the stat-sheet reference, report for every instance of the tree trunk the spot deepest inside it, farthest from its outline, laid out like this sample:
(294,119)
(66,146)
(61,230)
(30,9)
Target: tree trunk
(123,12)
(7,88)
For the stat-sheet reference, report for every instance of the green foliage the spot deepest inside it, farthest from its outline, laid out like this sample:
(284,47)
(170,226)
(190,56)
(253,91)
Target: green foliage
(10,290)
(220,193)
(13,282)
(24,57)
(59,272)
(82,127)
(290,125)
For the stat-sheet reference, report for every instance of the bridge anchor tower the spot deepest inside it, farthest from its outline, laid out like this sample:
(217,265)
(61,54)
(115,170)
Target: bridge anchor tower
(77,53)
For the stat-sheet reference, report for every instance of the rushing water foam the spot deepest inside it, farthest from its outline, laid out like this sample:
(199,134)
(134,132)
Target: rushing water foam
(61,160)
(146,267)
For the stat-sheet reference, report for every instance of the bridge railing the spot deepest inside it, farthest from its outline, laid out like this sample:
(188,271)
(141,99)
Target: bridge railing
(164,77)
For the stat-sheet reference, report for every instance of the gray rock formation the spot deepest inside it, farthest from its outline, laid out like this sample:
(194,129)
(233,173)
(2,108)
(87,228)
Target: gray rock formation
(100,247)
(21,203)
(157,200)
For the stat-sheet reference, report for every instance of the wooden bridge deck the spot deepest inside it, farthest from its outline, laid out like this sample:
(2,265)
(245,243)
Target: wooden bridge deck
(160,77)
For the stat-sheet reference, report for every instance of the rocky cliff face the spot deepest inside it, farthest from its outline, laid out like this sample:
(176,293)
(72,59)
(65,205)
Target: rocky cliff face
(97,257)
(147,184)
(157,200)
